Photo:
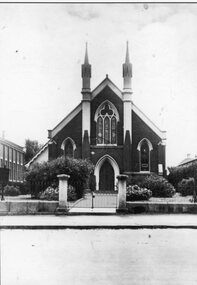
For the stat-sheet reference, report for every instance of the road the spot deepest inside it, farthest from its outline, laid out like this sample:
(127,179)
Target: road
(118,257)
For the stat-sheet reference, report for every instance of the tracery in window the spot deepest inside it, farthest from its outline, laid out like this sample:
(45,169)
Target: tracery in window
(106,124)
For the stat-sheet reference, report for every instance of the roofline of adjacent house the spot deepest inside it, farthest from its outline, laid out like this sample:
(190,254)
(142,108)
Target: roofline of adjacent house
(11,144)
(187,162)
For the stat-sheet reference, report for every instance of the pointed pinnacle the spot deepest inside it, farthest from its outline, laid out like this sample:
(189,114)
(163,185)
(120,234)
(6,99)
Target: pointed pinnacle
(86,61)
(127,59)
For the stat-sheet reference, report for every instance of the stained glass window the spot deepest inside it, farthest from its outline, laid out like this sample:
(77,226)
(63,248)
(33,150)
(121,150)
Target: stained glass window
(106,125)
(113,130)
(100,130)
(106,131)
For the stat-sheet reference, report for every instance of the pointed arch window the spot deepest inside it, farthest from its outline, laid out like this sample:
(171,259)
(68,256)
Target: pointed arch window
(106,118)
(68,146)
(144,147)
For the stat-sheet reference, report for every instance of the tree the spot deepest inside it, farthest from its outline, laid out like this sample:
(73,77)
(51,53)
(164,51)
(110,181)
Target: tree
(31,148)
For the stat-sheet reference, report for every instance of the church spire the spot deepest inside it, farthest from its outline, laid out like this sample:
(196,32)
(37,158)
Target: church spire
(127,59)
(127,70)
(86,61)
(86,72)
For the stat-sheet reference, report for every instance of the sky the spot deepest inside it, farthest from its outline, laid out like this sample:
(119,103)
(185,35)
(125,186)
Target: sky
(42,47)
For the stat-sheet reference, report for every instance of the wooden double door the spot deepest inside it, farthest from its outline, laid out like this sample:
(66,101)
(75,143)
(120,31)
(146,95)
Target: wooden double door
(106,177)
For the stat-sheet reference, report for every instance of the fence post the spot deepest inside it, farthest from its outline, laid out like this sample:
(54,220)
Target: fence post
(63,193)
(122,186)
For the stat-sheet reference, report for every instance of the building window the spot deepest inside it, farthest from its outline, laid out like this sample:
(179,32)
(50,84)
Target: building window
(144,148)
(1,151)
(68,147)
(106,118)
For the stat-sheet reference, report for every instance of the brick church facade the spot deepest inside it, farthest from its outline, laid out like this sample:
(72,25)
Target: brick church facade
(108,129)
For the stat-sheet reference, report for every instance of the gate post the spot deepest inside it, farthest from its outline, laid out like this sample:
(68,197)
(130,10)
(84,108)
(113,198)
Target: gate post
(122,186)
(63,193)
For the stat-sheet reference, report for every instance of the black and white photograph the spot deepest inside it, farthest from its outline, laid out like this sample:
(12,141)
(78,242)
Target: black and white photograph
(98,143)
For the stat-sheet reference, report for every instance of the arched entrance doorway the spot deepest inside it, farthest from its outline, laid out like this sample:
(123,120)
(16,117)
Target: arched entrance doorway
(106,177)
(106,171)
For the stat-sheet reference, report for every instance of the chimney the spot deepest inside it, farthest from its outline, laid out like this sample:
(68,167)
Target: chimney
(188,155)
(3,134)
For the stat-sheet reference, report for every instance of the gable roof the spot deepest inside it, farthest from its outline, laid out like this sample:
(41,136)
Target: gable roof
(37,154)
(66,120)
(149,123)
(103,84)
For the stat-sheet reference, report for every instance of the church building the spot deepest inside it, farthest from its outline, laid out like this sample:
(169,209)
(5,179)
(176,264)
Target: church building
(108,129)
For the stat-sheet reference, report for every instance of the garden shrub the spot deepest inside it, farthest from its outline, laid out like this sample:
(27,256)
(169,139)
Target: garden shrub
(176,174)
(11,190)
(186,186)
(136,193)
(52,194)
(45,174)
(159,186)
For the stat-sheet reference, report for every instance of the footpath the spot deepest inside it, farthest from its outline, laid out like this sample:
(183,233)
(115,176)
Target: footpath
(101,221)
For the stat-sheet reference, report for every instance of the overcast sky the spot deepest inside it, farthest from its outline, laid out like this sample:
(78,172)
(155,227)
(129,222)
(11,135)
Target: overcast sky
(42,48)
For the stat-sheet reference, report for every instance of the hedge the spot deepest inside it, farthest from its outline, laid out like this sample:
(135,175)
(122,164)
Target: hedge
(186,186)
(176,174)
(46,173)
(159,186)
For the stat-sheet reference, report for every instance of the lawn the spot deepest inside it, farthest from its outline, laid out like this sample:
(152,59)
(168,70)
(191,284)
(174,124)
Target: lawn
(177,198)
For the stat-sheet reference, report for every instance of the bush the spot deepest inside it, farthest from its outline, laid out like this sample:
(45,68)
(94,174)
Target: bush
(135,193)
(176,174)
(186,186)
(45,173)
(11,191)
(159,186)
(52,194)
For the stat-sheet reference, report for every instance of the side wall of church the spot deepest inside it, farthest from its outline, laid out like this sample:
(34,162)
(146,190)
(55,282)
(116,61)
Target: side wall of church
(140,131)
(73,130)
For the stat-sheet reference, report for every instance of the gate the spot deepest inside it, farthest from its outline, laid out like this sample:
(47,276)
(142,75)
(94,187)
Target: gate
(96,200)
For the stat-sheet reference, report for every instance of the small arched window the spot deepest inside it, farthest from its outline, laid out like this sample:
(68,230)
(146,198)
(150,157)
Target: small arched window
(68,146)
(144,148)
(106,119)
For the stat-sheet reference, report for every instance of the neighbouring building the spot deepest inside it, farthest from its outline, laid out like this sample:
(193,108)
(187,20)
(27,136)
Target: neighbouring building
(12,157)
(188,160)
(110,130)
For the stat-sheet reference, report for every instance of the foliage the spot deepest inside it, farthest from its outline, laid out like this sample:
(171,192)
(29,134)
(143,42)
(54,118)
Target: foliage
(178,173)
(135,193)
(159,186)
(31,148)
(92,183)
(186,186)
(79,171)
(23,187)
(52,194)
(11,191)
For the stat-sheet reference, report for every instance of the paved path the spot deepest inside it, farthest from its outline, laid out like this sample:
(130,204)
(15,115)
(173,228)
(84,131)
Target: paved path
(99,221)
